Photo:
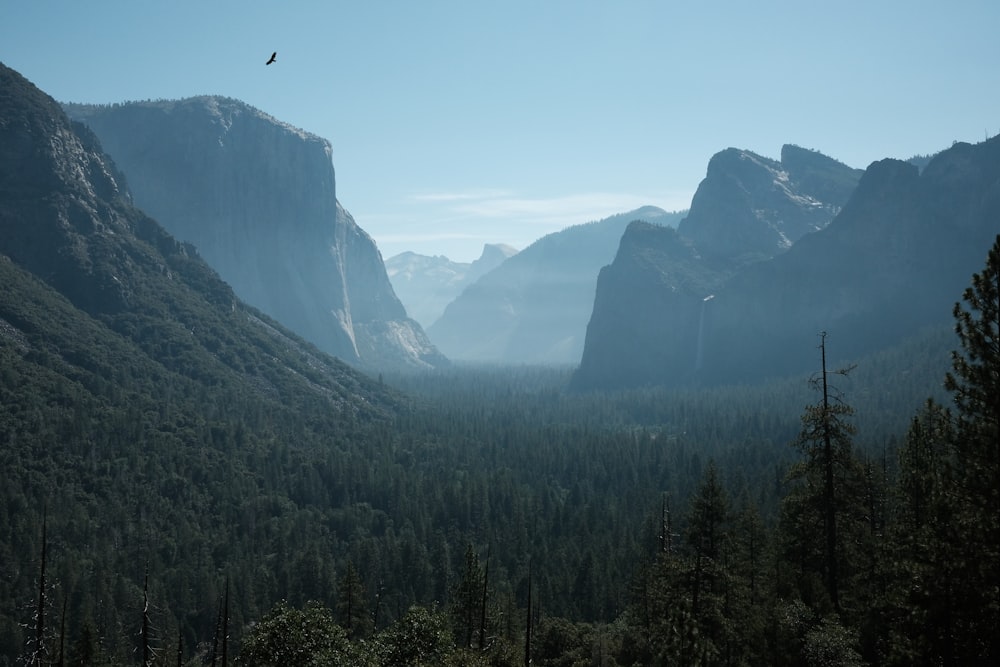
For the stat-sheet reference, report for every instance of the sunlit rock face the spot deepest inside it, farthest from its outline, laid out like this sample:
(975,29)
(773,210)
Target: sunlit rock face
(257,197)
(750,207)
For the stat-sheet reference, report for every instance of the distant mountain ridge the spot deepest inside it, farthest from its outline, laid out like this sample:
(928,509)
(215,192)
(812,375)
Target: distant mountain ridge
(534,307)
(893,261)
(426,285)
(258,199)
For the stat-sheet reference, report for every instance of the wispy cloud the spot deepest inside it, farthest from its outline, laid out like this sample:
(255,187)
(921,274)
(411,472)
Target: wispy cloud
(459,196)
(560,211)
(458,222)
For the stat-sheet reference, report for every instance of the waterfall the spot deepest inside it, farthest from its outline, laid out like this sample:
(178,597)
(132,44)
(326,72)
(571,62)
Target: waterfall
(699,351)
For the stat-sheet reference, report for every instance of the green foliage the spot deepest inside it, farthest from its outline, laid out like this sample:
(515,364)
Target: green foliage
(419,639)
(830,644)
(467,601)
(287,636)
(944,605)
(352,604)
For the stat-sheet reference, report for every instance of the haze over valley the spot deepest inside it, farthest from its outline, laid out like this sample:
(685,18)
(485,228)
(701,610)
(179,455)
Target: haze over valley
(454,335)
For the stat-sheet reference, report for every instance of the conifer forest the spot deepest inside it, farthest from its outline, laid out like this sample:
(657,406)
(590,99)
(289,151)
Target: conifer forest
(489,516)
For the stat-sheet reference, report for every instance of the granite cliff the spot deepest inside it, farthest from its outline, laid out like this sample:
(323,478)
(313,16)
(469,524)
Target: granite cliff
(648,305)
(534,307)
(98,296)
(893,261)
(257,197)
(750,207)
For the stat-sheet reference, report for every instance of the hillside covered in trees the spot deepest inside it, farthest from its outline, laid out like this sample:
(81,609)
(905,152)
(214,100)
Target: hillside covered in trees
(637,528)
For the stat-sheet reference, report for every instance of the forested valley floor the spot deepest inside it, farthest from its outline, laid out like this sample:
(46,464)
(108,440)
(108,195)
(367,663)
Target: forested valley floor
(491,517)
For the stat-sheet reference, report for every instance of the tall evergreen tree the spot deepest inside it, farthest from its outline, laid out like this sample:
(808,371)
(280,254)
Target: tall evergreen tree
(708,531)
(943,606)
(819,514)
(466,598)
(975,476)
(352,607)
(920,606)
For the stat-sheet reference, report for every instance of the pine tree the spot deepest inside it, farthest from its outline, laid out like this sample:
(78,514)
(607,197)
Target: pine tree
(707,532)
(818,514)
(708,536)
(975,461)
(352,609)
(466,598)
(944,602)
(920,606)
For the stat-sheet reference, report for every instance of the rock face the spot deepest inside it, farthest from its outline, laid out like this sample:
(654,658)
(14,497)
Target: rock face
(257,197)
(426,285)
(750,207)
(649,304)
(894,260)
(534,307)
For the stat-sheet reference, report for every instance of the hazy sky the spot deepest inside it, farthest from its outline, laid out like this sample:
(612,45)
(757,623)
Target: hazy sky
(463,122)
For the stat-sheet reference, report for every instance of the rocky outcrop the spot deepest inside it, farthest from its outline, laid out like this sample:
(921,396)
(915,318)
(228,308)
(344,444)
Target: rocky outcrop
(257,197)
(426,285)
(57,220)
(893,261)
(750,208)
(534,307)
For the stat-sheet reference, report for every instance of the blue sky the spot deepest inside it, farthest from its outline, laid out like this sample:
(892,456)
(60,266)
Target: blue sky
(458,123)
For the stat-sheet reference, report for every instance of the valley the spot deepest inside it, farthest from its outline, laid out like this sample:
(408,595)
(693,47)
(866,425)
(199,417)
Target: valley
(223,438)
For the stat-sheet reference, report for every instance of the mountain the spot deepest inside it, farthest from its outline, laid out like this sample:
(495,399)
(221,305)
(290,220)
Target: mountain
(893,262)
(143,405)
(534,307)
(749,207)
(70,238)
(426,285)
(648,305)
(257,197)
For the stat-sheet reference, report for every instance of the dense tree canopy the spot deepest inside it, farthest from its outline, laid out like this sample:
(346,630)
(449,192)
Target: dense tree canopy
(410,527)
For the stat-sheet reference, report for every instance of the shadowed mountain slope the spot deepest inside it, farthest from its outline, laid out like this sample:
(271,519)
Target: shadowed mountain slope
(893,261)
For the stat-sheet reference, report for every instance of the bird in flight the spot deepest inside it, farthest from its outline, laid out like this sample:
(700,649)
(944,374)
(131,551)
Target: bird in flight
(274,56)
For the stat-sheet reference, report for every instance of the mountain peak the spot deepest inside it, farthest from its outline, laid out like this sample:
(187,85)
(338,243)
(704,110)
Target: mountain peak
(741,163)
(492,251)
(750,207)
